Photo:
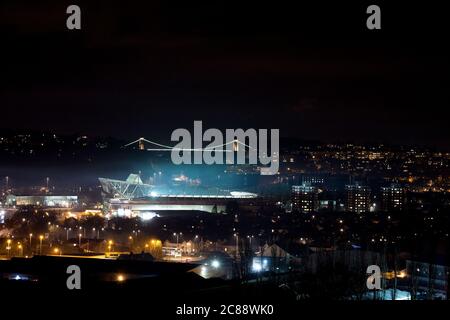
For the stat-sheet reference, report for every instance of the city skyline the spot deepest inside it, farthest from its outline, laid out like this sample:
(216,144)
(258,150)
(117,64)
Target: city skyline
(258,156)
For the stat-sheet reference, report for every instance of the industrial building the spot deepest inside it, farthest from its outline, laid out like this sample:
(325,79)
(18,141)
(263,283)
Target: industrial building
(42,201)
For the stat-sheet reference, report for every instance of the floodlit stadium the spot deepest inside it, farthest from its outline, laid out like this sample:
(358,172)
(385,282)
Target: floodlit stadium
(131,188)
(132,197)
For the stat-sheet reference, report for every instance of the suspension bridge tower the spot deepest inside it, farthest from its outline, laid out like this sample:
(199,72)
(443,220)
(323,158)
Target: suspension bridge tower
(141,144)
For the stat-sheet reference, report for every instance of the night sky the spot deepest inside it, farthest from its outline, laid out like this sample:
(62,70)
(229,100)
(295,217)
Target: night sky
(313,71)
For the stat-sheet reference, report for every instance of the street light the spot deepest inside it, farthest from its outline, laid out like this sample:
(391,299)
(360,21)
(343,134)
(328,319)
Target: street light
(31,235)
(237,244)
(79,239)
(41,237)
(177,235)
(120,278)
(20,248)
(131,242)
(67,233)
(8,246)
(98,232)
(250,240)
(110,243)
(83,230)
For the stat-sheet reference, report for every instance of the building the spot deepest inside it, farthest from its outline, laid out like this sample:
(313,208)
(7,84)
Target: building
(313,180)
(305,198)
(358,198)
(275,258)
(393,198)
(427,280)
(133,198)
(131,188)
(42,201)
(147,208)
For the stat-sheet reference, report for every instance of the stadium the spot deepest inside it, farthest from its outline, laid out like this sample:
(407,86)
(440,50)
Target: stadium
(132,197)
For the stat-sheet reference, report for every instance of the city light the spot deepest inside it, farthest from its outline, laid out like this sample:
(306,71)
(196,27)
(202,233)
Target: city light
(146,216)
(153,194)
(215,264)
(257,267)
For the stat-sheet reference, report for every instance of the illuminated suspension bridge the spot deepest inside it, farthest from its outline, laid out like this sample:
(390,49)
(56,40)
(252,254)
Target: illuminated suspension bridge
(162,147)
